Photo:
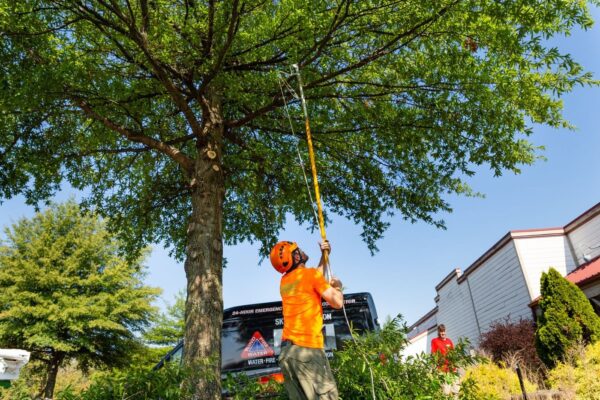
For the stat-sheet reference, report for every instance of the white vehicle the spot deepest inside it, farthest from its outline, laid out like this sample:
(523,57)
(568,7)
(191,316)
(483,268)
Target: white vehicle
(11,362)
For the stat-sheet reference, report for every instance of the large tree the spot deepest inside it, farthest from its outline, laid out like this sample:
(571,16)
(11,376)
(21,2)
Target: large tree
(67,294)
(169,114)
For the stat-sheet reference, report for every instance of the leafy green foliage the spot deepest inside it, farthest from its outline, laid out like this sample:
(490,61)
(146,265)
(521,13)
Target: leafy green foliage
(567,318)
(394,378)
(146,384)
(169,115)
(578,376)
(66,293)
(242,387)
(169,327)
(372,363)
(133,384)
(405,99)
(496,382)
(32,376)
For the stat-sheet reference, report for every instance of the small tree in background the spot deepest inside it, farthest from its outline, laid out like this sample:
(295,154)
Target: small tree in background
(67,294)
(169,327)
(567,318)
(507,341)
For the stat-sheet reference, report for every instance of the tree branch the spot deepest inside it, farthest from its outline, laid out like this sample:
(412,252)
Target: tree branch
(337,21)
(145,16)
(208,41)
(233,27)
(385,49)
(162,147)
(378,53)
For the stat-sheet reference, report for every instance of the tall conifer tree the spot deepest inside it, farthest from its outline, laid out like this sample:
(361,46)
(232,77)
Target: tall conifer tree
(567,318)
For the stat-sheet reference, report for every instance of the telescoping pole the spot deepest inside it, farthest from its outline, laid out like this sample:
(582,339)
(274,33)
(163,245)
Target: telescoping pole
(313,166)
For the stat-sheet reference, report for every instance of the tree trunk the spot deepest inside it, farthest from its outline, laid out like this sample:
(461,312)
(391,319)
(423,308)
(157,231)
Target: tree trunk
(203,266)
(53,366)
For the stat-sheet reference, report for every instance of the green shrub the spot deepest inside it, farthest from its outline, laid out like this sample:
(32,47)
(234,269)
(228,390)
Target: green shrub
(579,376)
(372,357)
(133,384)
(495,382)
(164,384)
(372,364)
(241,387)
(567,318)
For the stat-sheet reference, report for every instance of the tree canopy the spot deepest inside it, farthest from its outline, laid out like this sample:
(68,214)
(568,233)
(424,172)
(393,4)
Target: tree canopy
(567,318)
(66,294)
(169,114)
(405,99)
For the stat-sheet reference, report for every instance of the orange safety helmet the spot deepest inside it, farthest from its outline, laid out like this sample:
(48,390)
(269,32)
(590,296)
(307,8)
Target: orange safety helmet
(281,256)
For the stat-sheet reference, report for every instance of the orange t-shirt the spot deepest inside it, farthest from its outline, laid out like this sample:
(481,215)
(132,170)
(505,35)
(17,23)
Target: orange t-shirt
(301,292)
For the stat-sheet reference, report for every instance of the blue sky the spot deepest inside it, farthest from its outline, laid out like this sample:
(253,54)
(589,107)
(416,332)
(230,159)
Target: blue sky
(413,258)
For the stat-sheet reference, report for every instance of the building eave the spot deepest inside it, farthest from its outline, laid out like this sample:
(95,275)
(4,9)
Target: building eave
(424,318)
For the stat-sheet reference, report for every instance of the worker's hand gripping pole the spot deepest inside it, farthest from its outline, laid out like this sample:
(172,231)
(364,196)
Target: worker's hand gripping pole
(313,165)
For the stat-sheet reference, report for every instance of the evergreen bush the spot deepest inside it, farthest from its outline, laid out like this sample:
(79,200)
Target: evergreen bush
(567,318)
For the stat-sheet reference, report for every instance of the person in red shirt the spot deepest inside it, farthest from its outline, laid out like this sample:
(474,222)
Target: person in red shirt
(306,371)
(442,344)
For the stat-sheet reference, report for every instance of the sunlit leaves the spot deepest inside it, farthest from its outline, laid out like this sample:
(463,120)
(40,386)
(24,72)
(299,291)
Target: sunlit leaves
(406,100)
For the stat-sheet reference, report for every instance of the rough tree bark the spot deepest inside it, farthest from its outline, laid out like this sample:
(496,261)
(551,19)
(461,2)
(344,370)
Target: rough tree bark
(203,265)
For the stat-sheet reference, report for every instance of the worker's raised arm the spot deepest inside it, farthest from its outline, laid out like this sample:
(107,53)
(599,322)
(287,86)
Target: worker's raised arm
(334,295)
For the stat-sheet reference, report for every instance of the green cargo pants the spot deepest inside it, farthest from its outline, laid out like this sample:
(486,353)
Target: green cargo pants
(307,374)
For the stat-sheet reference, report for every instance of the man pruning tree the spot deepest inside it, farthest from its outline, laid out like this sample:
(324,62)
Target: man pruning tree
(168,117)
(302,359)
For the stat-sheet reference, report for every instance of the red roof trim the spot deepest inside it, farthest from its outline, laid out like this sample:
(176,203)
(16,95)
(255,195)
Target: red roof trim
(585,273)
(535,302)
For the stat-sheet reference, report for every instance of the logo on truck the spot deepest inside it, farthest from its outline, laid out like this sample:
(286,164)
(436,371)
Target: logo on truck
(257,347)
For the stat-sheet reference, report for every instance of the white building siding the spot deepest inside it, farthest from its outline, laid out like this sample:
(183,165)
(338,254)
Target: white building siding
(538,254)
(420,343)
(423,326)
(586,240)
(455,311)
(499,290)
(504,280)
